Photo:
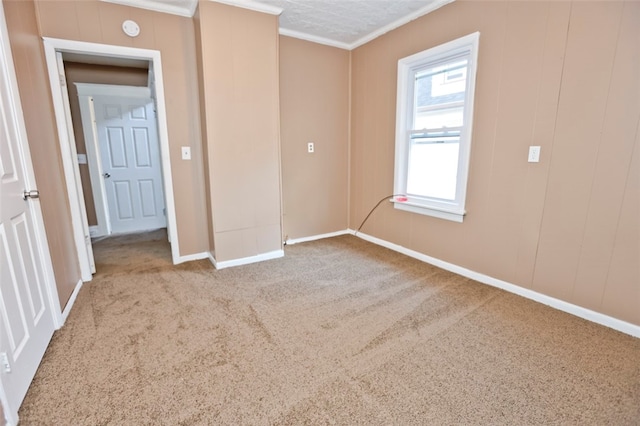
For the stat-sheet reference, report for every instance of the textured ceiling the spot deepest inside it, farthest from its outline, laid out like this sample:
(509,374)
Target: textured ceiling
(347,22)
(341,23)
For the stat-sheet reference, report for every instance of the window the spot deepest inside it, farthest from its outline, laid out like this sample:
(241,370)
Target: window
(433,128)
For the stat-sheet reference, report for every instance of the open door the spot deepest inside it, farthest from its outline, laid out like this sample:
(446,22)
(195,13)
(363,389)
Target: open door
(81,236)
(28,299)
(123,152)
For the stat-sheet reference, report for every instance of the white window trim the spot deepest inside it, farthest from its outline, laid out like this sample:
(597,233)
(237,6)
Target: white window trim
(454,211)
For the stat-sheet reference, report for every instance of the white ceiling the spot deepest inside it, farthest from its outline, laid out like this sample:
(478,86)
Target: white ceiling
(342,23)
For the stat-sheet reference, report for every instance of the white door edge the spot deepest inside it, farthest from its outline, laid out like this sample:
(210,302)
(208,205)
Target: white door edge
(84,243)
(87,116)
(53,45)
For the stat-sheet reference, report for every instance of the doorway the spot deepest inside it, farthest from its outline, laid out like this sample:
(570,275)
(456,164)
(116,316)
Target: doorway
(119,130)
(106,54)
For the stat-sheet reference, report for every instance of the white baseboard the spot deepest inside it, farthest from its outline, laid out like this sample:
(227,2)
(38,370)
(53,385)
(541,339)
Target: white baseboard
(246,260)
(318,237)
(70,302)
(191,257)
(579,311)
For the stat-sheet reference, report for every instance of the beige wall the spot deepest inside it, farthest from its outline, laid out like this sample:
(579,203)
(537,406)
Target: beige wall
(100,22)
(314,107)
(97,74)
(37,105)
(562,75)
(239,57)
(206,151)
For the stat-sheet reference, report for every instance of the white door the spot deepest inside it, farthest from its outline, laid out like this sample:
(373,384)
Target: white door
(26,318)
(131,167)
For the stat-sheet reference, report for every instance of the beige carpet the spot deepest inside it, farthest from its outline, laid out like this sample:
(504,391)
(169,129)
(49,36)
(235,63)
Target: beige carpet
(338,332)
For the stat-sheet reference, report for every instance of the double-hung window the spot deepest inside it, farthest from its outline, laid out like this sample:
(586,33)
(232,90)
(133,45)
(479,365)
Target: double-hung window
(433,128)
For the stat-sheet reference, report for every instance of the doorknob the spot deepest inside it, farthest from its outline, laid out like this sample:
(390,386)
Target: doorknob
(34,193)
(106,175)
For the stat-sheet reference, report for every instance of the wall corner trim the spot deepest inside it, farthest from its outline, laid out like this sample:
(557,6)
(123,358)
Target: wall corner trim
(561,305)
(246,260)
(185,8)
(252,5)
(192,257)
(318,237)
(314,38)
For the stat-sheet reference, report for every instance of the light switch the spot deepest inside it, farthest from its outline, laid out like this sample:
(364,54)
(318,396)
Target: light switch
(534,154)
(82,158)
(186,153)
(310,148)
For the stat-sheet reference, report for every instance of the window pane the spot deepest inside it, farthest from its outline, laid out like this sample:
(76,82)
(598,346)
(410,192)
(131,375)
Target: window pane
(433,169)
(439,93)
(434,119)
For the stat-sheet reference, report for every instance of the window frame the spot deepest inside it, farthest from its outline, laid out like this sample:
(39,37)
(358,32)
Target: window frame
(466,47)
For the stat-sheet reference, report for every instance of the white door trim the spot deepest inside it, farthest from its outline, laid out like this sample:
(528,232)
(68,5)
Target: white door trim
(53,45)
(86,91)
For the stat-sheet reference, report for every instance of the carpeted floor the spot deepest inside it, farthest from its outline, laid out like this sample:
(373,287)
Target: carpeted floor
(338,332)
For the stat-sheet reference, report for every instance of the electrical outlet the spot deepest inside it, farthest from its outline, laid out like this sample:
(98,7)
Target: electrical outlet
(186,153)
(310,148)
(534,154)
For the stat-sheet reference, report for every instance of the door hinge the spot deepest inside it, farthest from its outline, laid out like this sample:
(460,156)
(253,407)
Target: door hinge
(63,81)
(4,362)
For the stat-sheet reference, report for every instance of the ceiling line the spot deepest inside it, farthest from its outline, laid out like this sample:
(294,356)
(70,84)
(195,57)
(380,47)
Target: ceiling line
(256,5)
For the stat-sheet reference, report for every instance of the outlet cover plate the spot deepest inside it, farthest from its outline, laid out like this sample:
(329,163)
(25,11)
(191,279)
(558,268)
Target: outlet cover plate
(186,153)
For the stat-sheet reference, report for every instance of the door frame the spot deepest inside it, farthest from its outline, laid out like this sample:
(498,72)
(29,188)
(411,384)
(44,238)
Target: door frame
(67,142)
(15,105)
(86,92)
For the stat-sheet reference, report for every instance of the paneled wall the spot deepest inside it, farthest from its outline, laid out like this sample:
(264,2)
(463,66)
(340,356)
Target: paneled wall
(562,75)
(238,53)
(314,105)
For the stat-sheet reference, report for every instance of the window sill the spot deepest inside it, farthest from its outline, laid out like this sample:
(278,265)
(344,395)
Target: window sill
(452,214)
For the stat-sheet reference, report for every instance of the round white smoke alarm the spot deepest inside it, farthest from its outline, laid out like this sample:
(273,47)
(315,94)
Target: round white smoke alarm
(131,28)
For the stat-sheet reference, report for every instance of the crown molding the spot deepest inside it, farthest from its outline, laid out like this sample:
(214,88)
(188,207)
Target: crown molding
(157,6)
(252,5)
(436,4)
(314,38)
(189,9)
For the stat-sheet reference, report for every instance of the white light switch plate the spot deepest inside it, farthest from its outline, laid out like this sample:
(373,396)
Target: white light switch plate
(534,154)
(82,158)
(186,153)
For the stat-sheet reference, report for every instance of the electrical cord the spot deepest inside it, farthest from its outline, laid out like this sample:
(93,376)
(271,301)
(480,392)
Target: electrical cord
(374,208)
